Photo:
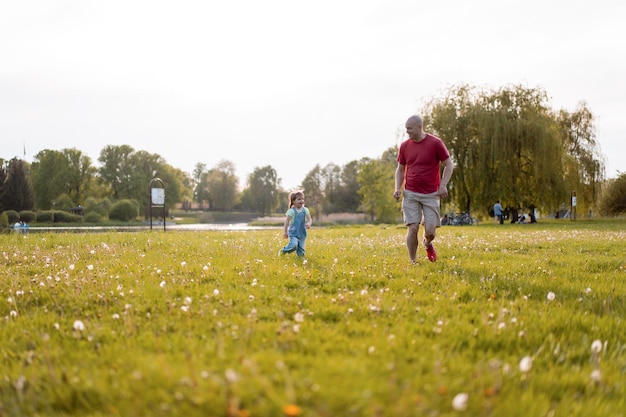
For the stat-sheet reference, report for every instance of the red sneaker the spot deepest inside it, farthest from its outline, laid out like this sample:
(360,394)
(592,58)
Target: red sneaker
(430,252)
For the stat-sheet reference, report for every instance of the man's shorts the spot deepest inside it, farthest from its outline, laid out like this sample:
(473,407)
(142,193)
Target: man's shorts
(421,208)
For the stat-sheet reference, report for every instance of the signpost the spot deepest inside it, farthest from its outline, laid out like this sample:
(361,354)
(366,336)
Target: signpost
(157,198)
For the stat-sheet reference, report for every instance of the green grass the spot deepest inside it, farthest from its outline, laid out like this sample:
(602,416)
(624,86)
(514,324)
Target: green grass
(215,324)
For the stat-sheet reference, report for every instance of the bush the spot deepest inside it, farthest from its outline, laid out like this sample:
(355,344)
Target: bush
(4,221)
(28,216)
(100,207)
(124,210)
(46,216)
(66,217)
(12,216)
(93,217)
(613,201)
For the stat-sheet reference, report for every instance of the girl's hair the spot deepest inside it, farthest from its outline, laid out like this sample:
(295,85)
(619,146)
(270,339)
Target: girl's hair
(293,195)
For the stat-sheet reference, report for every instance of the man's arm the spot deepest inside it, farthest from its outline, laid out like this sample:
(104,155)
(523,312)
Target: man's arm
(448,167)
(400,169)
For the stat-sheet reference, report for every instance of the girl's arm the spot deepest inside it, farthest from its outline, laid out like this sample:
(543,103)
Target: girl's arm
(309,220)
(286,227)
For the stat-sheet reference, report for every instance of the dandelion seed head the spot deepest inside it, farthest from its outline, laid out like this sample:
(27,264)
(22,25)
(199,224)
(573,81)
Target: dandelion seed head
(596,375)
(115,316)
(79,326)
(183,263)
(162,284)
(459,402)
(216,292)
(187,300)
(551,296)
(71,267)
(596,346)
(90,267)
(298,317)
(205,268)
(526,364)
(184,308)
(13,313)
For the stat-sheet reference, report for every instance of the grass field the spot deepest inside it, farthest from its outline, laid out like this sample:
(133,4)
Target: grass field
(512,320)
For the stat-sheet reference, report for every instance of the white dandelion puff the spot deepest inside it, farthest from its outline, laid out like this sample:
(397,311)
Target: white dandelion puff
(298,317)
(162,284)
(459,402)
(596,346)
(551,296)
(216,292)
(79,326)
(526,364)
(596,375)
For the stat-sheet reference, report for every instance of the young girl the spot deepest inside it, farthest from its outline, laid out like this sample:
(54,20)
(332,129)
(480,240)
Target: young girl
(297,220)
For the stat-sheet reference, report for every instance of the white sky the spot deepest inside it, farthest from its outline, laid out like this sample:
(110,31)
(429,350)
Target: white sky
(289,83)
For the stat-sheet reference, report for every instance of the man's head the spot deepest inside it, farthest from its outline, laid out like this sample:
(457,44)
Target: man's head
(415,127)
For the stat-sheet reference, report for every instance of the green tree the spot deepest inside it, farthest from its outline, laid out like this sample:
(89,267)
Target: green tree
(222,186)
(349,199)
(48,176)
(79,174)
(613,201)
(331,174)
(263,186)
(508,144)
(16,192)
(313,186)
(375,177)
(116,169)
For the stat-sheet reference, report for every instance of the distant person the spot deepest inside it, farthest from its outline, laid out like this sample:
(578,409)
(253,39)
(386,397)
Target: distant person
(497,212)
(297,221)
(531,217)
(420,158)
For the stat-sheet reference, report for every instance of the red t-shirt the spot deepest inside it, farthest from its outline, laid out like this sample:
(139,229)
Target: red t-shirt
(423,161)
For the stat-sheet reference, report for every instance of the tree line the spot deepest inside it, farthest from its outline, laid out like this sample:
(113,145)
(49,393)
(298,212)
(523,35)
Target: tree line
(508,144)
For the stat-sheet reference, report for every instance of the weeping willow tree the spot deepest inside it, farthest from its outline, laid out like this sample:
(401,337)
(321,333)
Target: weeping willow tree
(508,145)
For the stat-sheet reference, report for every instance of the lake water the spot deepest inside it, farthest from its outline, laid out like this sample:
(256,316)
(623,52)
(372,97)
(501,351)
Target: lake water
(184,227)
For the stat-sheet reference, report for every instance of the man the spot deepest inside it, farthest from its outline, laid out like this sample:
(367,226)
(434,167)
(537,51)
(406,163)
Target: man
(497,212)
(419,168)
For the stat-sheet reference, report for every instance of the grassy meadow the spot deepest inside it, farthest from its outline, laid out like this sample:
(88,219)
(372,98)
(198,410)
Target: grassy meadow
(512,320)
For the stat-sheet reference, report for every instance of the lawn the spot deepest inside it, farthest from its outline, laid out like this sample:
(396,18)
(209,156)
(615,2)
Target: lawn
(512,320)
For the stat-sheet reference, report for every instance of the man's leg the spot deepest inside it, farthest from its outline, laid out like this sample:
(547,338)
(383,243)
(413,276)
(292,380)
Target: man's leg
(412,239)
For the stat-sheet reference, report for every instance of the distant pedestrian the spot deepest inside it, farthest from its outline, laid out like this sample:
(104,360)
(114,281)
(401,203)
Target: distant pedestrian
(497,212)
(297,221)
(420,159)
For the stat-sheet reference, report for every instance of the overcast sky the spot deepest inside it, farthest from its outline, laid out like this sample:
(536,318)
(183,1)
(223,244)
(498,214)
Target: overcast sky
(289,83)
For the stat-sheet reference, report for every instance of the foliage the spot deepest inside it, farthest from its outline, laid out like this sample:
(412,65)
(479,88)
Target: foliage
(263,190)
(28,216)
(4,221)
(613,201)
(124,210)
(61,216)
(16,192)
(375,177)
(63,202)
(313,186)
(508,145)
(100,207)
(523,319)
(67,172)
(12,216)
(93,217)
(45,216)
(219,187)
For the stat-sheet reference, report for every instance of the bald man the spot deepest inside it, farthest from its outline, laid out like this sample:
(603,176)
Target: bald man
(420,159)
